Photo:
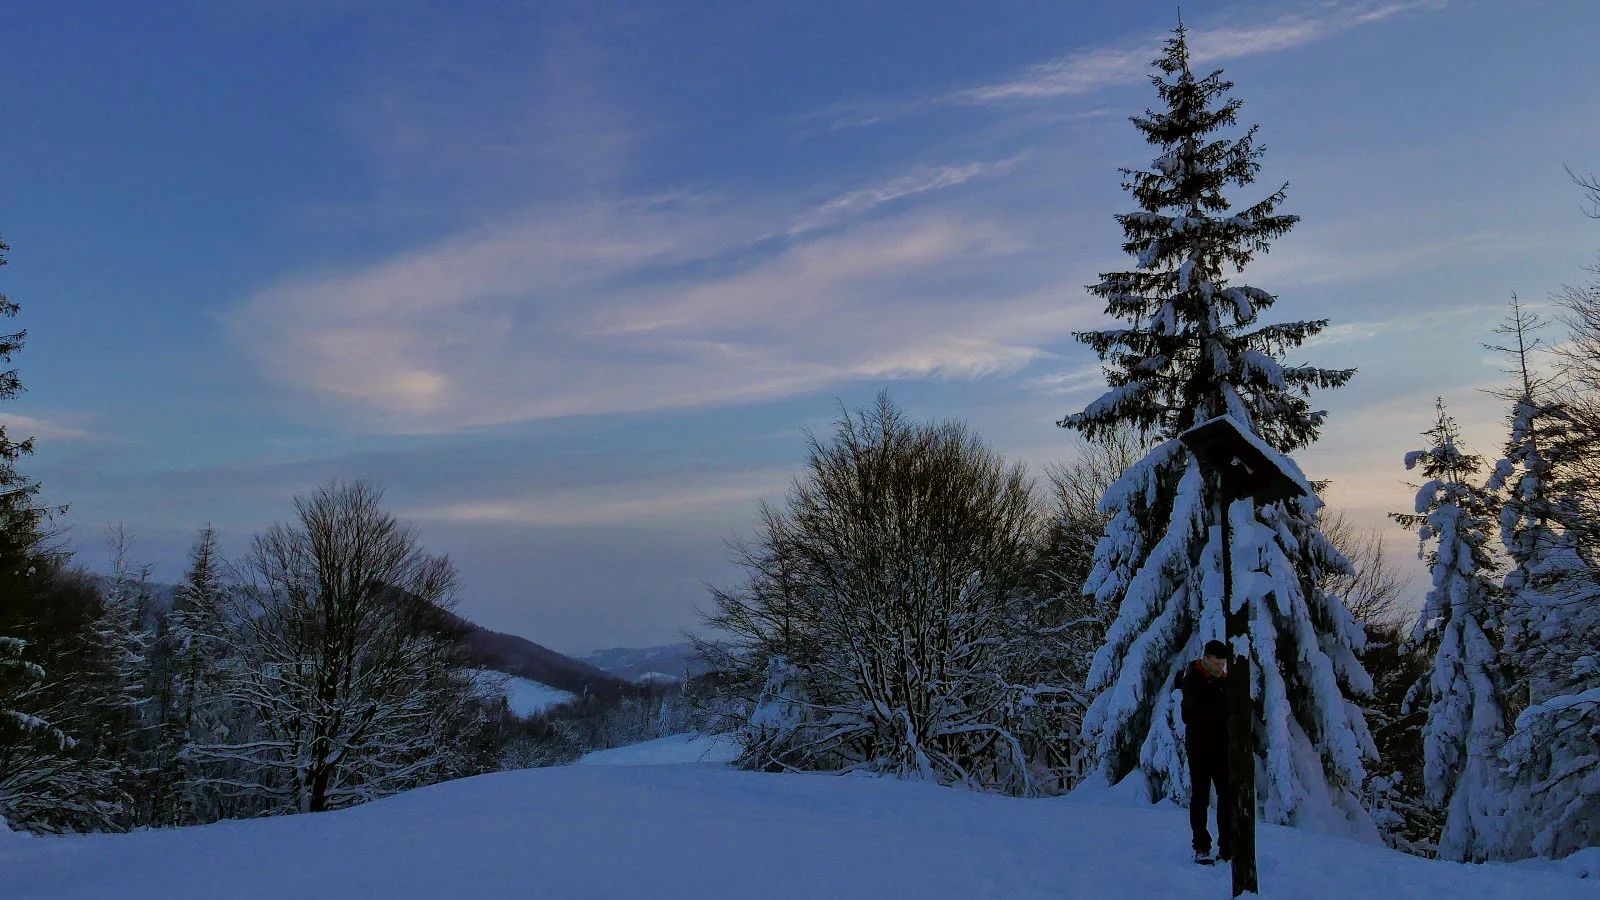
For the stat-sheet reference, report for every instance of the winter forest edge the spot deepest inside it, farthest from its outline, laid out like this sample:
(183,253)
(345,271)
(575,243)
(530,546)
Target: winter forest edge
(911,609)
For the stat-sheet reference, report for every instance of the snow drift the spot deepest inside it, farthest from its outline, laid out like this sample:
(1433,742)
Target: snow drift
(705,831)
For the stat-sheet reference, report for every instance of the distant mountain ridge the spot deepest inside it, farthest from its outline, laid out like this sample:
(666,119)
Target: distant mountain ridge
(640,664)
(478,646)
(518,656)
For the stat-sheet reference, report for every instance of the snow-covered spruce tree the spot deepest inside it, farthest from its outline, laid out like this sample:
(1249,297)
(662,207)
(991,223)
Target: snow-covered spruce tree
(1375,593)
(194,645)
(1460,623)
(33,752)
(127,731)
(48,784)
(48,781)
(30,746)
(1551,769)
(1192,350)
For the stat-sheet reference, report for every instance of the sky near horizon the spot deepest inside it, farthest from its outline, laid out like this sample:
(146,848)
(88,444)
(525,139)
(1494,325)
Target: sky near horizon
(570,278)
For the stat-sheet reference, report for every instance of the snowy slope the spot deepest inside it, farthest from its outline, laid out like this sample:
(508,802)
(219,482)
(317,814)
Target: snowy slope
(705,831)
(528,697)
(679,748)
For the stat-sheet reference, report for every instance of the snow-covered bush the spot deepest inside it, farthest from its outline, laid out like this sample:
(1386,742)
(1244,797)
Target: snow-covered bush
(893,591)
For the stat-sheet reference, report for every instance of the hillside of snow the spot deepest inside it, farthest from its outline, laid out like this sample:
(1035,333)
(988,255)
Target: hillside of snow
(705,831)
(679,748)
(527,697)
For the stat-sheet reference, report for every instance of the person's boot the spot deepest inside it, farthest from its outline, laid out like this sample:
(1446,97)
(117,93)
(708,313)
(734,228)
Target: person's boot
(1225,854)
(1203,857)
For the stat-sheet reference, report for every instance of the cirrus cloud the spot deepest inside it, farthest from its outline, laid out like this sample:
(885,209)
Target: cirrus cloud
(644,305)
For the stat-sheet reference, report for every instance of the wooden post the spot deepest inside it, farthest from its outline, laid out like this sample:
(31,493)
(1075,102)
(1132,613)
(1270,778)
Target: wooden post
(1245,468)
(1241,720)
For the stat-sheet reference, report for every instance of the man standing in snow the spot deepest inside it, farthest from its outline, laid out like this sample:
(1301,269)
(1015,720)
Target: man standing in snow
(1205,723)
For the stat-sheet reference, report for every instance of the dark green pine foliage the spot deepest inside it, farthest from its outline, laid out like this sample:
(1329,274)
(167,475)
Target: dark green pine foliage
(21,520)
(1192,348)
(43,783)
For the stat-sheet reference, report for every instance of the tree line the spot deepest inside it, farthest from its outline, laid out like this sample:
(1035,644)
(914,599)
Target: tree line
(914,607)
(309,675)
(908,611)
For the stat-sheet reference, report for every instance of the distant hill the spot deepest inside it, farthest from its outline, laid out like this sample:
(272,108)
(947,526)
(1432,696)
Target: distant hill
(478,646)
(521,657)
(641,664)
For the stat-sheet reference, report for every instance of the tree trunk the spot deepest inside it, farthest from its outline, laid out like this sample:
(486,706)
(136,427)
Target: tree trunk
(1241,717)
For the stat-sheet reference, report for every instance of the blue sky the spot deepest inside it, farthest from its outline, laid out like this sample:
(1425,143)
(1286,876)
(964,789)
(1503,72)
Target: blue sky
(570,278)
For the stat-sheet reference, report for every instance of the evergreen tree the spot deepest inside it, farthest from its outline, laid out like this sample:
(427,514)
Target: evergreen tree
(1460,623)
(22,522)
(126,730)
(24,735)
(19,531)
(1193,350)
(44,785)
(1552,618)
(194,643)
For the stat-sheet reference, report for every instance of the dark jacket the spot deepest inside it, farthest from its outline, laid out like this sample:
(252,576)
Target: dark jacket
(1205,707)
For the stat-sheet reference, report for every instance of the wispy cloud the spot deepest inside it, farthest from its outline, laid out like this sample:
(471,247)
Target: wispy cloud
(1352,252)
(1102,67)
(642,306)
(1346,332)
(19,427)
(1098,68)
(919,181)
(1069,381)
(634,503)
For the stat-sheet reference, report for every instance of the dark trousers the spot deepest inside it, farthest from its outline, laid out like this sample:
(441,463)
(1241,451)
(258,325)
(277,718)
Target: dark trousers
(1209,766)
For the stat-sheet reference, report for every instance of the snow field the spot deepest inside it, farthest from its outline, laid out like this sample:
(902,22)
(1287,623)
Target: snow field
(679,748)
(531,697)
(706,831)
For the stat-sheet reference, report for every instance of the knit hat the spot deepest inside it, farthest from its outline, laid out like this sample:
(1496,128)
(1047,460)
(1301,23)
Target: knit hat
(1217,649)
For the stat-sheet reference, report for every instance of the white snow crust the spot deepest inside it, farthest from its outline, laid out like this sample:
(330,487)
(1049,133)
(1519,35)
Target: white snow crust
(530,697)
(679,748)
(706,831)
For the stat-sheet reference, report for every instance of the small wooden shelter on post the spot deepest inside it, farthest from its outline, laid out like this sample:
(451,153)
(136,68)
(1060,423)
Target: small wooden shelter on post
(1240,466)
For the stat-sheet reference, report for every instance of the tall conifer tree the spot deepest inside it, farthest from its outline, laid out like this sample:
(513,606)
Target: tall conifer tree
(1193,349)
(34,767)
(1551,617)
(1460,623)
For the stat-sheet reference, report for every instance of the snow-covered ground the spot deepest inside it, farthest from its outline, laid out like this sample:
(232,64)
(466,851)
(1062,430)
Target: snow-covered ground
(530,697)
(705,831)
(680,748)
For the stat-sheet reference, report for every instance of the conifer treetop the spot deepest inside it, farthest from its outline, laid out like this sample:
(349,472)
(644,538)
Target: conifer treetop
(10,381)
(21,522)
(1455,512)
(1192,350)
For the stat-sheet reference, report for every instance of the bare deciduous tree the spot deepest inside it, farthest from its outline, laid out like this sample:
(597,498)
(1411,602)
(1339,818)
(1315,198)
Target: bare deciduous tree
(1375,589)
(1069,625)
(892,592)
(351,696)
(1578,393)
